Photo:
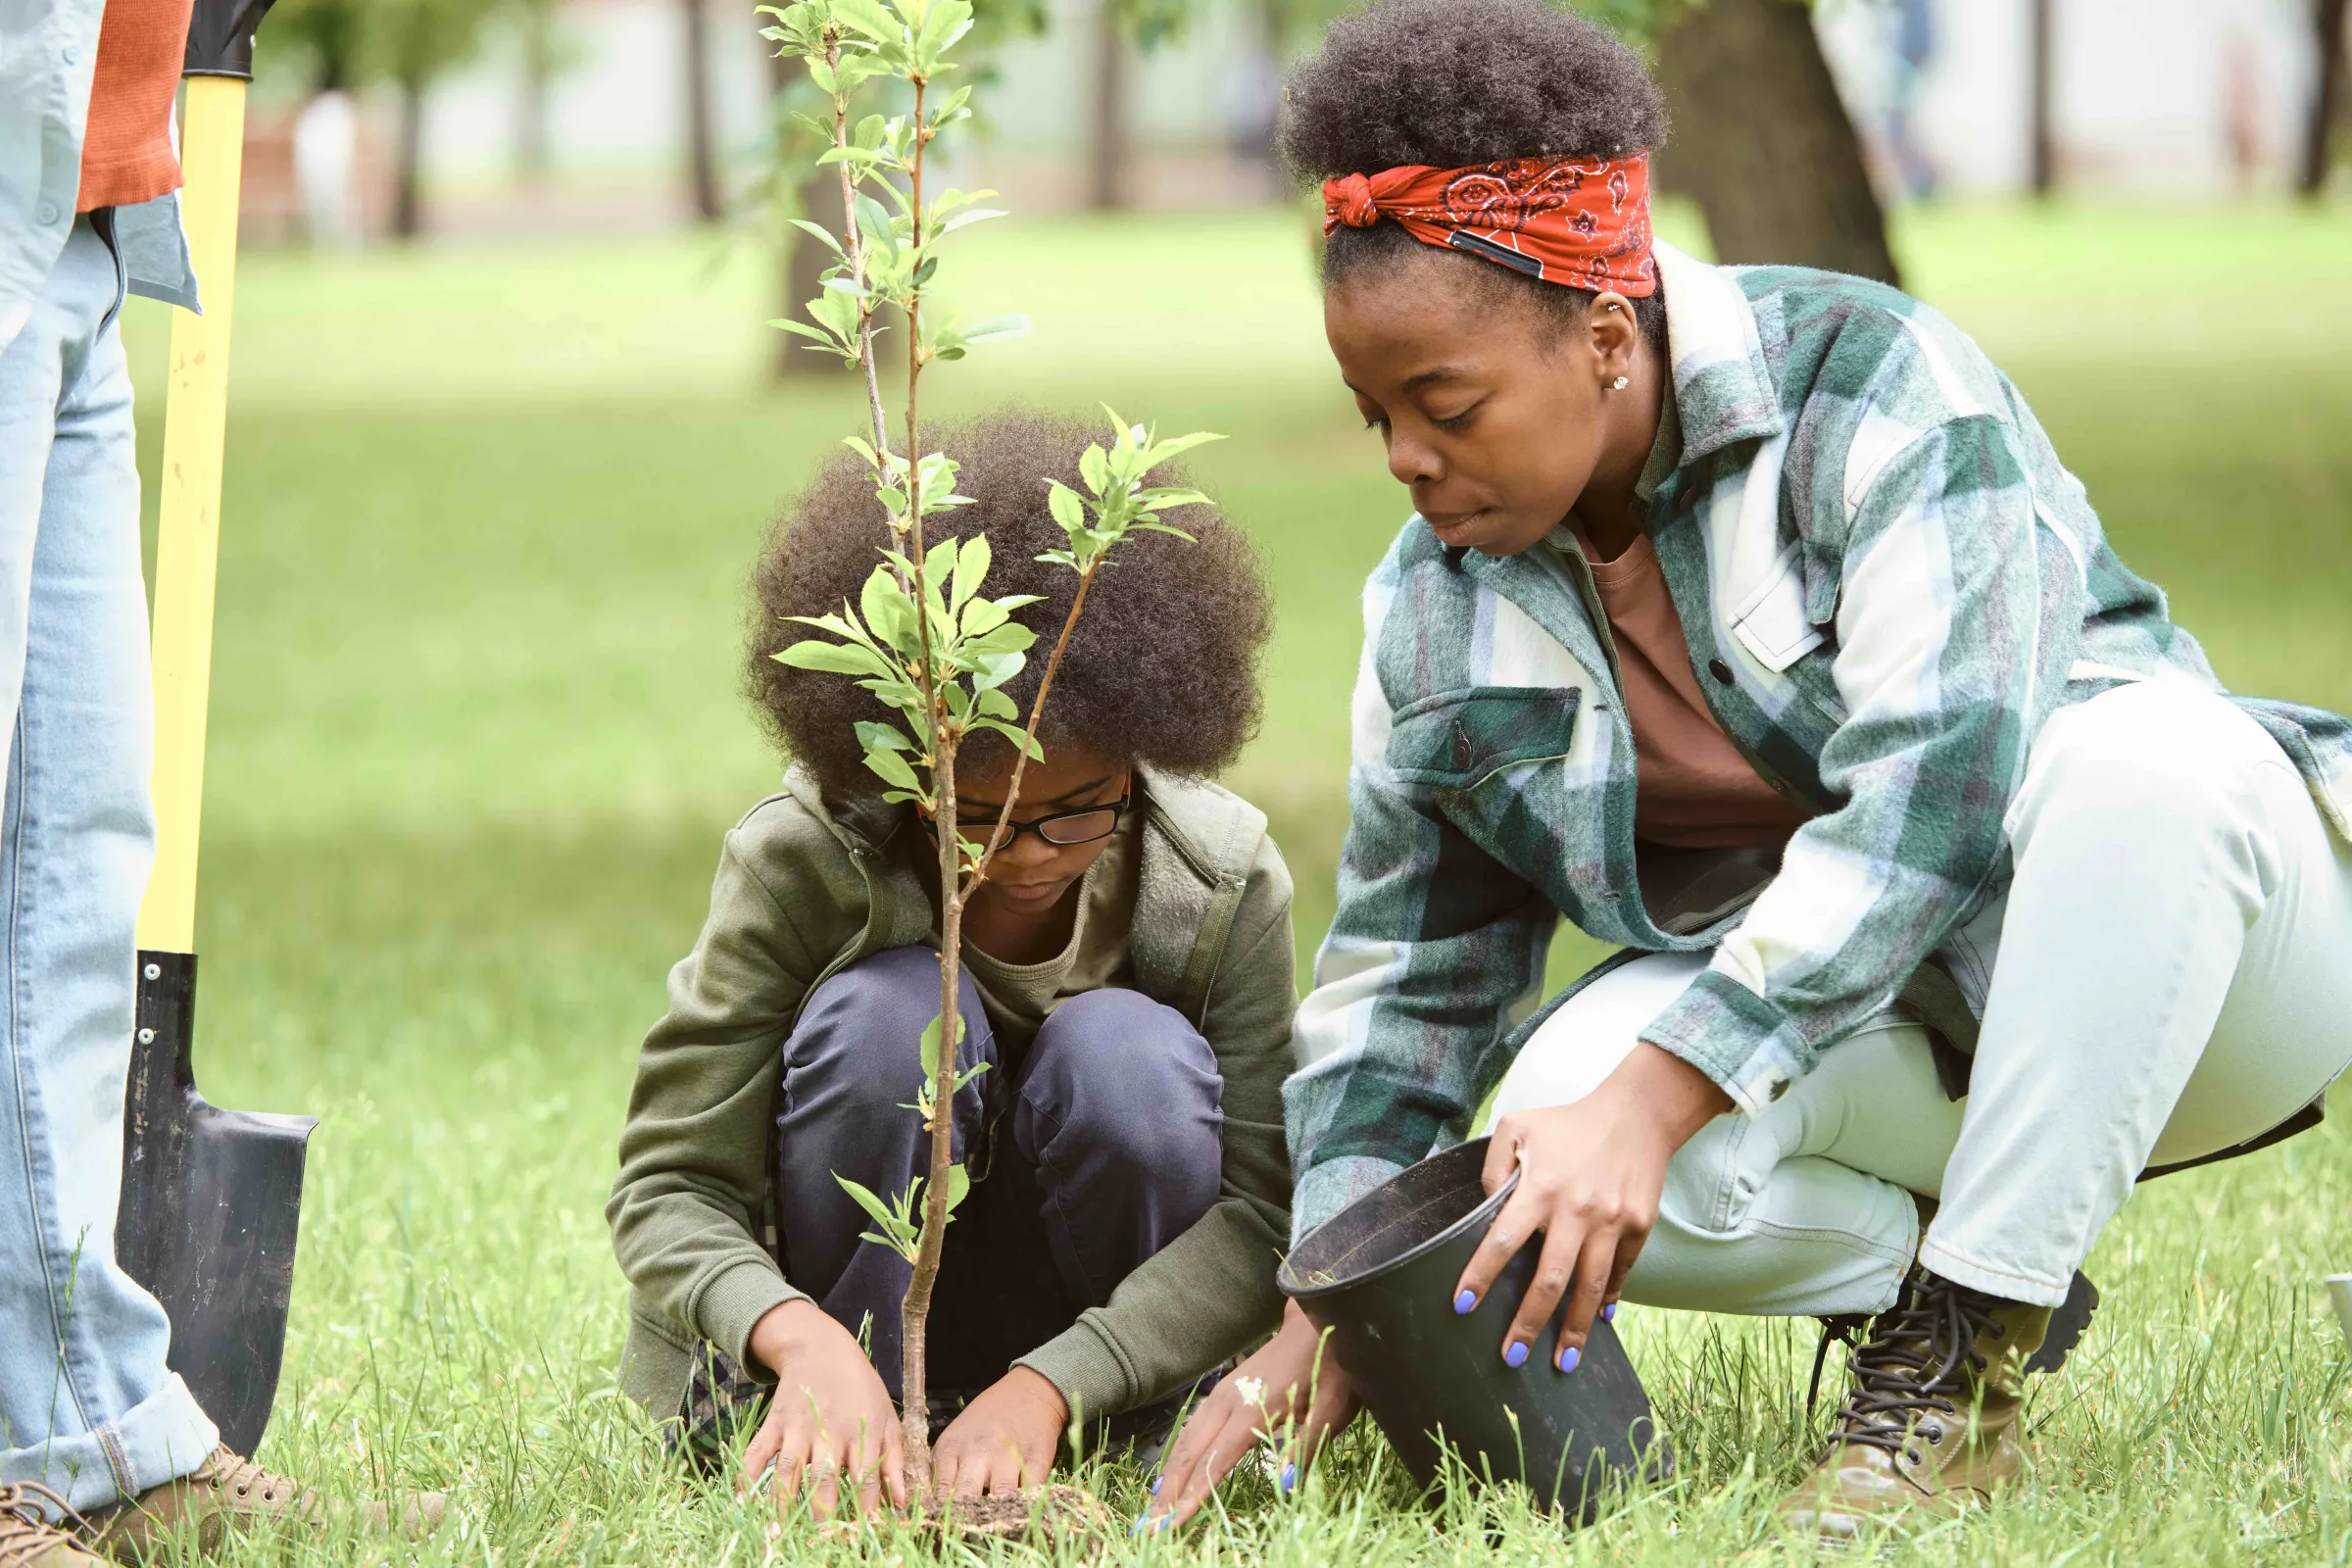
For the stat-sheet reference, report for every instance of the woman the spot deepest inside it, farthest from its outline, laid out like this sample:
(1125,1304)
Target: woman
(1127,985)
(1750,620)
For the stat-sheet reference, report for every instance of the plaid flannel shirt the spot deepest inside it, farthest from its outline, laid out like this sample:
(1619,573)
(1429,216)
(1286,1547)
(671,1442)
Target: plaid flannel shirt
(1887,581)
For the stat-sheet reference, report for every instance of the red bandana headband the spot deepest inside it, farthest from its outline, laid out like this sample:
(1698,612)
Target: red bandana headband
(1578,222)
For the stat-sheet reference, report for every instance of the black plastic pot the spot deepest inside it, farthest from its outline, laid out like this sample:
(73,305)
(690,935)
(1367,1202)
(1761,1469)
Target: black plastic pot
(1379,1277)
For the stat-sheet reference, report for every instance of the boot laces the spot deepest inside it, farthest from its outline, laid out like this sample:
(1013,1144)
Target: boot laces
(1921,1358)
(24,1526)
(242,1478)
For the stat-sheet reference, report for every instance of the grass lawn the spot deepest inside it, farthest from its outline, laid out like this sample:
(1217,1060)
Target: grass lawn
(476,732)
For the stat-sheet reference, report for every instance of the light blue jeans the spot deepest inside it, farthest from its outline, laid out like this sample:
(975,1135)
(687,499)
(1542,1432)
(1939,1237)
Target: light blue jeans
(86,1405)
(2165,978)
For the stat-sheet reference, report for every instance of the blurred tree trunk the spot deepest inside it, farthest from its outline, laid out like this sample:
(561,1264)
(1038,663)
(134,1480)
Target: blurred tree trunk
(803,259)
(538,71)
(702,173)
(2325,98)
(2042,96)
(1763,143)
(408,162)
(1108,154)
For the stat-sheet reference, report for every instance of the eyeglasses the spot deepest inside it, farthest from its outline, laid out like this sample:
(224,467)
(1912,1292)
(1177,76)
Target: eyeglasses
(1061,829)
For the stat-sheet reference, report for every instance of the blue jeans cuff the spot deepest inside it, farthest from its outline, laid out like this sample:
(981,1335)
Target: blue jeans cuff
(163,1436)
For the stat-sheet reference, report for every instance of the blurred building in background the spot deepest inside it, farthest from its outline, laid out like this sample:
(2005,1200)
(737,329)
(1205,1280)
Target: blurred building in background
(583,115)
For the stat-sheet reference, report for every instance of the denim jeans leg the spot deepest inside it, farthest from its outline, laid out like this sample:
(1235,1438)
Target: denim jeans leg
(87,1406)
(1804,1210)
(1120,1112)
(851,1068)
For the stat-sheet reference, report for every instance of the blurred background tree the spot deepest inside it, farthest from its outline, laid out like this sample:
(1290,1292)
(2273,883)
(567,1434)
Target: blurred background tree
(2326,98)
(412,44)
(423,40)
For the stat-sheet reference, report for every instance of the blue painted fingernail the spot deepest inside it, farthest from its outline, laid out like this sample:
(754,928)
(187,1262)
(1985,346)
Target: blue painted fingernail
(1464,1302)
(1288,1477)
(1569,1357)
(1515,1356)
(1142,1522)
(1156,1481)
(1609,1313)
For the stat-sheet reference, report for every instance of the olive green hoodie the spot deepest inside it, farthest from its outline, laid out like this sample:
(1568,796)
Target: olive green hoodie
(805,889)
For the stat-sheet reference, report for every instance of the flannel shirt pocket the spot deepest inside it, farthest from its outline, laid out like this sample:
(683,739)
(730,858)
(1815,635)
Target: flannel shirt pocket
(1458,740)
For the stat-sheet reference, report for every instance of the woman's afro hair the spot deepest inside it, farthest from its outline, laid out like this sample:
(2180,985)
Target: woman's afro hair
(1453,82)
(1162,668)
(1449,84)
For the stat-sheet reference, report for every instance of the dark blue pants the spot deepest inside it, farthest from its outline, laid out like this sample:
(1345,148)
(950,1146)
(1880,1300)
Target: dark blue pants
(1090,1154)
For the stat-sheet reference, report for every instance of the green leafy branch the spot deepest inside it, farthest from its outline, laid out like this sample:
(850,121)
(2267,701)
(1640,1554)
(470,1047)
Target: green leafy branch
(924,637)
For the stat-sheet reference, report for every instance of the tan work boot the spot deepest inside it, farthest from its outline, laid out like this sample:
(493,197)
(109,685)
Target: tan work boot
(26,1537)
(1931,1426)
(227,1493)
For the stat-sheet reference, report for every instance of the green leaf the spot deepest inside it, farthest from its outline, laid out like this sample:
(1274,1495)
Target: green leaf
(892,768)
(1019,738)
(889,612)
(1063,502)
(940,564)
(971,567)
(949,21)
(875,223)
(930,1045)
(875,736)
(1094,469)
(982,615)
(990,703)
(1160,452)
(820,234)
(836,658)
(960,1183)
(1011,638)
(823,340)
(965,220)
(996,329)
(992,668)
(894,1229)
(869,19)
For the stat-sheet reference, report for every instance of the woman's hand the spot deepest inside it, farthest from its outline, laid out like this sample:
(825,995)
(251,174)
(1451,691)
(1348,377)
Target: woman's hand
(1004,1440)
(1590,1178)
(1281,1393)
(831,1417)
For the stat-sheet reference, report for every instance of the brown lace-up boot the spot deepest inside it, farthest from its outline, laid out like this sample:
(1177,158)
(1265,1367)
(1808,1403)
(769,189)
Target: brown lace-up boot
(1931,1425)
(230,1494)
(26,1537)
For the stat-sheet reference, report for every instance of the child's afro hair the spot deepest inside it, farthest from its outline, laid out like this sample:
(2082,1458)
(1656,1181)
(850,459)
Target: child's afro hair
(1455,83)
(1162,668)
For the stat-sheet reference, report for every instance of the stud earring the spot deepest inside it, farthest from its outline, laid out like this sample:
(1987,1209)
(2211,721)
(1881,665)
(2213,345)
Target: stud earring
(1619,384)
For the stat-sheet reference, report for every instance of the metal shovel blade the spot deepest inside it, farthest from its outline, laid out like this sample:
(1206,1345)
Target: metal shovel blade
(212,1200)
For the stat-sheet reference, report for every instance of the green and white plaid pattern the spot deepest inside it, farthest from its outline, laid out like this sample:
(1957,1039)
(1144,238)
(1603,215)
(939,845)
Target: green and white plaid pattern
(1887,580)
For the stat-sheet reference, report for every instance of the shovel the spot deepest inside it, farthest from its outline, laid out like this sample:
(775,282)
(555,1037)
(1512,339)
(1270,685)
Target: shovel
(210,1197)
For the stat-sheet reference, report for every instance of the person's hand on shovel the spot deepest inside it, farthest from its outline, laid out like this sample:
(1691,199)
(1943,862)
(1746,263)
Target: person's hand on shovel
(831,1424)
(1279,1395)
(1591,1175)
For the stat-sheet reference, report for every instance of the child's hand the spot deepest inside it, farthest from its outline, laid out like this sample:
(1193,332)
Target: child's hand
(1280,1395)
(831,1416)
(1005,1440)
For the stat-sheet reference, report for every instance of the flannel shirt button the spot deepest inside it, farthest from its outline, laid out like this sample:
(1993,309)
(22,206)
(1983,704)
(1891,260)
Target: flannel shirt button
(1720,670)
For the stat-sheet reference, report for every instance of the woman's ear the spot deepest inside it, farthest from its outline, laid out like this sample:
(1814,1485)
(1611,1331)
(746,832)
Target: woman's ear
(1614,335)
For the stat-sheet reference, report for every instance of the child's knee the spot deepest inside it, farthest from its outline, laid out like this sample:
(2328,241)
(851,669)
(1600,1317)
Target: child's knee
(873,1014)
(1119,1072)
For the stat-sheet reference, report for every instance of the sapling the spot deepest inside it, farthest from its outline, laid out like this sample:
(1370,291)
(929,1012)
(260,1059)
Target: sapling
(925,638)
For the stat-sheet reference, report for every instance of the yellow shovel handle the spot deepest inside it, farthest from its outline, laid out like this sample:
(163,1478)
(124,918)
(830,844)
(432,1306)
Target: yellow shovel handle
(188,526)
